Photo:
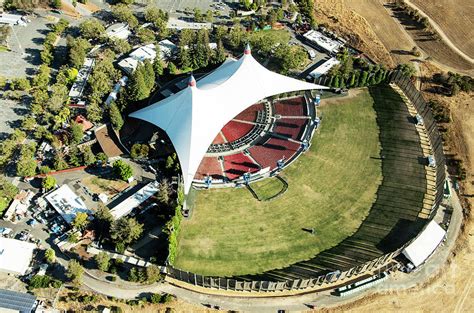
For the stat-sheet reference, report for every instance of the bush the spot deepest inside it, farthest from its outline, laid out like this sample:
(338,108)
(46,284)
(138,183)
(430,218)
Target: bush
(155,298)
(123,170)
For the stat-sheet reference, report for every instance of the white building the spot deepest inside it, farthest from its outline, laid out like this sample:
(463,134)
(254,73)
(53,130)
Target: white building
(15,255)
(178,24)
(67,203)
(118,31)
(327,44)
(81,80)
(114,93)
(126,206)
(323,68)
(138,55)
(13,19)
(194,116)
(167,49)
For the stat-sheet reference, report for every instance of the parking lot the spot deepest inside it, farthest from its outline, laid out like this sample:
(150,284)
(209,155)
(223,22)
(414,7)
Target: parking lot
(11,112)
(25,44)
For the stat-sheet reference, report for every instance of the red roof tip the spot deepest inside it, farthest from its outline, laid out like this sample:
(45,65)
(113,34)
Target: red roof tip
(192,81)
(247,49)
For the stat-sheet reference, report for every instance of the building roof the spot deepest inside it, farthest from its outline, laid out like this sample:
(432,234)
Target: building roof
(15,256)
(323,41)
(126,206)
(194,116)
(119,30)
(138,55)
(324,68)
(67,203)
(167,48)
(81,120)
(108,141)
(425,244)
(18,301)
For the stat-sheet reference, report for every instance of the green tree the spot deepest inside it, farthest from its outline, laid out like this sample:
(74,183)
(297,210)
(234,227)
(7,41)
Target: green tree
(88,155)
(115,117)
(26,166)
(120,46)
(91,28)
(50,256)
(41,79)
(102,221)
(123,170)
(78,48)
(146,36)
(102,157)
(124,14)
(75,271)
(363,79)
(158,67)
(59,162)
(94,112)
(153,274)
(164,191)
(48,182)
(219,54)
(81,221)
(103,261)
(76,132)
(138,87)
(407,69)
(126,230)
(173,70)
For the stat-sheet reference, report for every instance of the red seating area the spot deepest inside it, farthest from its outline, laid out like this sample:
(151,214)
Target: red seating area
(237,164)
(290,107)
(209,166)
(290,127)
(273,150)
(235,130)
(250,114)
(218,139)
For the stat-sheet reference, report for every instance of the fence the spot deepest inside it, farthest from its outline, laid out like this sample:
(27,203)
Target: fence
(279,283)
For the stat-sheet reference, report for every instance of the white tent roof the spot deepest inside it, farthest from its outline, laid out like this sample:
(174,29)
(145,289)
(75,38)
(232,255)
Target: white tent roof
(425,244)
(194,116)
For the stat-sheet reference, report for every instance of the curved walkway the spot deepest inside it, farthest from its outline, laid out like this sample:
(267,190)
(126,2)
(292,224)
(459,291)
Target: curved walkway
(441,33)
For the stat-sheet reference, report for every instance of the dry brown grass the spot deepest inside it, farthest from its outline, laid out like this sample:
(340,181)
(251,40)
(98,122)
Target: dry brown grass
(455,17)
(351,25)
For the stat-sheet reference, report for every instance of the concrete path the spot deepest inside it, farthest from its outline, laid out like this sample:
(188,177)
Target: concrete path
(441,33)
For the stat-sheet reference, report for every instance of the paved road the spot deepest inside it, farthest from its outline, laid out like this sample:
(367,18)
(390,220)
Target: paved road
(440,31)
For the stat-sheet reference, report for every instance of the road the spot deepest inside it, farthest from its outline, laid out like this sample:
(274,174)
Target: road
(441,33)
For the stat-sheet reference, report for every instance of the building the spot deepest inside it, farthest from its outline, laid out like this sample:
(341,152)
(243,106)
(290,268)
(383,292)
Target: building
(126,206)
(118,31)
(323,42)
(20,204)
(66,203)
(174,23)
(15,256)
(13,19)
(167,49)
(13,301)
(109,141)
(81,80)
(323,68)
(85,124)
(194,116)
(138,55)
(114,93)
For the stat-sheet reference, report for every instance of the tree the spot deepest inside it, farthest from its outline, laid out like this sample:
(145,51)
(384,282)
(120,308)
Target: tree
(48,182)
(153,274)
(81,221)
(78,48)
(173,70)
(103,261)
(102,157)
(146,36)
(75,271)
(408,69)
(102,221)
(290,57)
(59,162)
(89,157)
(76,132)
(363,79)
(158,67)
(120,46)
(26,166)
(138,87)
(149,75)
(41,79)
(125,230)
(124,14)
(164,192)
(139,151)
(115,117)
(219,54)
(123,170)
(56,4)
(50,256)
(94,112)
(91,28)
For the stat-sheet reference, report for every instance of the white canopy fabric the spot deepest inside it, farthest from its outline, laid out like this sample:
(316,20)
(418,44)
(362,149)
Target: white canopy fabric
(425,244)
(193,117)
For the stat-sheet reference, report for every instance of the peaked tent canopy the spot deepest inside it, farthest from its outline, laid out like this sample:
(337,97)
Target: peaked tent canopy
(193,117)
(425,244)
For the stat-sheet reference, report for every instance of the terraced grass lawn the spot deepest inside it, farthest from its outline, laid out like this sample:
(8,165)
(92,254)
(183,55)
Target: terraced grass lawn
(331,189)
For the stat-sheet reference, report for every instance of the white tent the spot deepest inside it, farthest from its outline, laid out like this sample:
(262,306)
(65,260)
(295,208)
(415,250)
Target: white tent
(194,116)
(425,244)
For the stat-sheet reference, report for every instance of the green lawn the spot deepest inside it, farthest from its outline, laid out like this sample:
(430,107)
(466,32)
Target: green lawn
(331,189)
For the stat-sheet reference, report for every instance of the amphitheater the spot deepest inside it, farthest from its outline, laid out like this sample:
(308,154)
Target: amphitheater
(263,138)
